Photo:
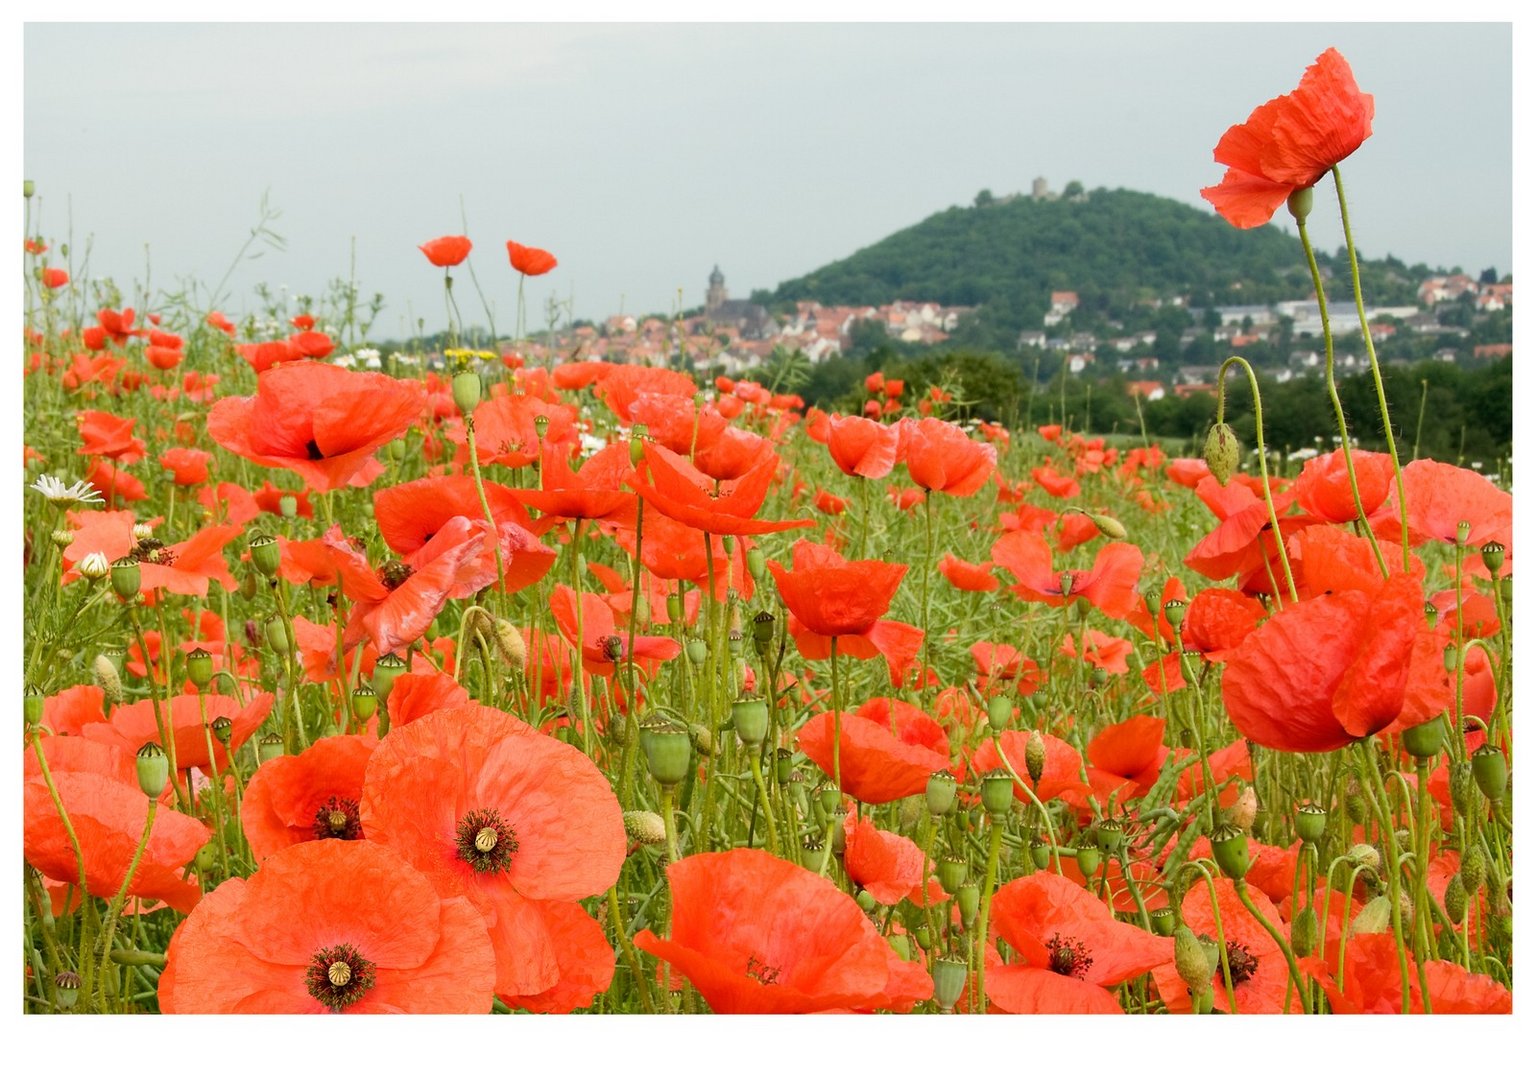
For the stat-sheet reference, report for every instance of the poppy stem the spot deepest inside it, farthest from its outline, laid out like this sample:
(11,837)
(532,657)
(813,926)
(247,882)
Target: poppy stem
(1333,392)
(1285,946)
(1258,438)
(1382,810)
(119,899)
(1370,354)
(994,851)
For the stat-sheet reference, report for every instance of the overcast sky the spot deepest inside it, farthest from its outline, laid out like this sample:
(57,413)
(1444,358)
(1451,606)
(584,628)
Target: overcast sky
(642,155)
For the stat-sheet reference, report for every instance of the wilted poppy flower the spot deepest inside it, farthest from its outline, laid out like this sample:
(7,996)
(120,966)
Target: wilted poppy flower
(757,934)
(941,457)
(877,766)
(313,795)
(323,422)
(108,816)
(521,824)
(330,927)
(530,260)
(447,250)
(1071,946)
(1290,142)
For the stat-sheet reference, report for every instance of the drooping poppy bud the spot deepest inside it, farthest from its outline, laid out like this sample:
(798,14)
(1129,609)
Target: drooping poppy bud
(1222,452)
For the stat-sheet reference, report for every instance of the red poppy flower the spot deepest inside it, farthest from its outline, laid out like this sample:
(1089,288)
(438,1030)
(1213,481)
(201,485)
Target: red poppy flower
(1439,497)
(1103,651)
(415,695)
(268,354)
(322,422)
(862,447)
(506,432)
(941,457)
(219,321)
(757,934)
(107,435)
(1332,669)
(718,507)
(1322,489)
(447,250)
(1072,947)
(108,816)
(517,822)
(829,503)
(68,711)
(1109,586)
(1130,752)
(1243,543)
(1290,142)
(675,552)
(162,359)
(409,515)
(1001,667)
(314,795)
(833,596)
(885,864)
(131,726)
(877,766)
(1218,621)
(394,608)
(313,344)
(229,503)
(1061,775)
(1373,982)
(601,641)
(188,466)
(310,932)
(55,277)
(592,491)
(530,260)
(970,577)
(1063,487)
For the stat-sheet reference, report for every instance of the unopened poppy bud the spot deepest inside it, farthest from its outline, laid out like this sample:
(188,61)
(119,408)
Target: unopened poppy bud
(667,748)
(32,706)
(1174,611)
(1354,807)
(1098,677)
(968,897)
(1374,918)
(1222,452)
(154,769)
(1107,525)
(386,669)
(1474,867)
(277,634)
(698,652)
(949,975)
(1299,203)
(1108,835)
(952,873)
(1065,581)
(1229,845)
(757,564)
(266,557)
(941,793)
(365,703)
(28,189)
(1493,556)
(1365,856)
(1039,853)
(206,859)
(997,792)
(1245,810)
(288,505)
(1491,772)
(125,577)
(1034,757)
(1455,899)
(1424,740)
(1463,530)
(1450,657)
(703,739)
(1463,788)
(396,449)
(200,668)
(750,718)
(1304,931)
(1190,959)
(466,391)
(866,901)
(1311,822)
(1163,922)
(999,712)
(66,984)
(248,586)
(645,827)
(104,672)
(268,747)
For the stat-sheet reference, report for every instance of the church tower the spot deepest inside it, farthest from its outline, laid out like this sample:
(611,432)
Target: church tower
(715,297)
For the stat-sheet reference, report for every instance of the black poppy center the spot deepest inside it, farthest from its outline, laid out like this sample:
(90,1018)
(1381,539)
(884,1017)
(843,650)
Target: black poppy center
(338,819)
(395,573)
(1069,956)
(485,841)
(1241,963)
(339,976)
(765,974)
(312,449)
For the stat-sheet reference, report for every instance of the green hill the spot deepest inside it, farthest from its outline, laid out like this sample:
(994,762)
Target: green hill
(1118,250)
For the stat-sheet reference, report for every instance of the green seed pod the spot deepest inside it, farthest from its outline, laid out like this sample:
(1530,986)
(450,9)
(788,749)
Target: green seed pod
(866,902)
(200,668)
(999,713)
(1039,853)
(1424,740)
(1163,922)
(1299,203)
(1374,918)
(466,391)
(1493,556)
(1311,822)
(386,669)
(902,944)
(125,577)
(1109,835)
(698,652)
(1463,531)
(757,564)
(1107,526)
(1229,845)
(941,793)
(968,898)
(810,852)
(997,792)
(365,703)
(952,873)
(668,750)
(1222,452)
(28,189)
(66,984)
(1491,772)
(637,435)
(154,769)
(1174,611)
(924,938)
(32,706)
(288,505)
(277,635)
(1455,899)
(750,718)
(830,799)
(1304,931)
(1088,860)
(762,626)
(949,976)
(266,556)
(268,747)
(1190,959)
(223,729)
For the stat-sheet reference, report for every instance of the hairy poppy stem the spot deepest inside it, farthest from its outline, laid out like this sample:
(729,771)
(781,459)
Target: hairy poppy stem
(120,898)
(1302,988)
(989,880)
(1258,438)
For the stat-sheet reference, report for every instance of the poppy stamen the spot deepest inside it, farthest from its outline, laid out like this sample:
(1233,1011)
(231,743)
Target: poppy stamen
(339,977)
(765,974)
(485,841)
(1069,956)
(338,819)
(1241,962)
(395,573)
(312,449)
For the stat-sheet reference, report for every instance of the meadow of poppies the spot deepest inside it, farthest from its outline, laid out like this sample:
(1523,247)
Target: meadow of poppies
(474,686)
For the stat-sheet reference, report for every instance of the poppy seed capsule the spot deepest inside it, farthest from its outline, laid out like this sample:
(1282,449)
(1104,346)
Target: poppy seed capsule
(66,984)
(466,391)
(288,505)
(1493,556)
(270,746)
(154,769)
(28,189)
(277,634)
(1039,853)
(757,564)
(940,793)
(1222,452)
(667,749)
(1174,611)
(1463,530)
(750,718)
(1229,845)
(200,668)
(866,901)
(223,729)
(952,873)
(386,669)
(1299,203)
(1424,740)
(1163,922)
(1108,835)
(949,974)
(125,577)
(266,556)
(999,712)
(365,703)
(32,706)
(698,652)
(997,792)
(968,897)
(1311,822)
(1491,772)
(762,626)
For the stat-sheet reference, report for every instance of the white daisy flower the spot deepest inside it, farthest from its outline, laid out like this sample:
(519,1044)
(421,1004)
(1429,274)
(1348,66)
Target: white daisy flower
(79,493)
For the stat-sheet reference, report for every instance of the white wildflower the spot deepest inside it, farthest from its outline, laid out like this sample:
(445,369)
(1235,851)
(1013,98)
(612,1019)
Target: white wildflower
(79,493)
(94,566)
